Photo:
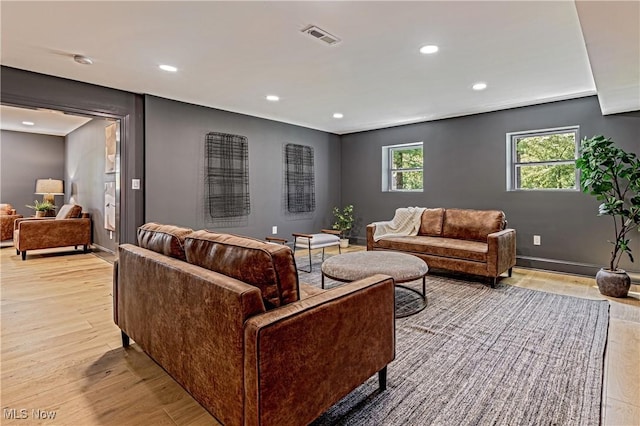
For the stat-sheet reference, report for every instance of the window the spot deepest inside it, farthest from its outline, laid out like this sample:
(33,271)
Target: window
(543,159)
(402,168)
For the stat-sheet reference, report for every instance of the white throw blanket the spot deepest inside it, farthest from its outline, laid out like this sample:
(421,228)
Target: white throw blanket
(406,222)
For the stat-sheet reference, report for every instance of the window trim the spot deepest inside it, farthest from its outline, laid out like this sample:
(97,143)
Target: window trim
(388,170)
(512,164)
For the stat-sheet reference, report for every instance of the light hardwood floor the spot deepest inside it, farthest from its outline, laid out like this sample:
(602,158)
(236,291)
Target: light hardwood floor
(61,351)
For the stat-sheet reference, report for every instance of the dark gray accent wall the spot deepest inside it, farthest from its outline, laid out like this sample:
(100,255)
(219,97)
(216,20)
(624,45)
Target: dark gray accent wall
(174,153)
(85,177)
(465,167)
(25,157)
(29,89)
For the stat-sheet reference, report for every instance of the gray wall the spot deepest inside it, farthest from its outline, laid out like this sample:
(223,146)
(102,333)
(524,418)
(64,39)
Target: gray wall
(465,167)
(85,177)
(25,157)
(174,187)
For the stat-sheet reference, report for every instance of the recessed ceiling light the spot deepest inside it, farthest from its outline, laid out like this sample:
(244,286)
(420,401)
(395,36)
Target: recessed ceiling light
(338,115)
(169,68)
(479,86)
(428,49)
(84,60)
(28,123)
(273,98)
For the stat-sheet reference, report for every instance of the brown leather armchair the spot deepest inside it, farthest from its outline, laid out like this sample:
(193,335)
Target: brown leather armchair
(70,227)
(8,216)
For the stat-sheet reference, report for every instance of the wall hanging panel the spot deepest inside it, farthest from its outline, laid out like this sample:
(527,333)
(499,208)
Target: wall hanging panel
(299,180)
(226,178)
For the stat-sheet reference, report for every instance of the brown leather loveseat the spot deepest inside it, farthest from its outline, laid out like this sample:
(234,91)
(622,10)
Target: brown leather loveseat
(470,241)
(70,227)
(226,317)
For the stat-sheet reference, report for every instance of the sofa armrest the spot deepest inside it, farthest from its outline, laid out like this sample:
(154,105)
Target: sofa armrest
(371,229)
(501,254)
(17,222)
(303,357)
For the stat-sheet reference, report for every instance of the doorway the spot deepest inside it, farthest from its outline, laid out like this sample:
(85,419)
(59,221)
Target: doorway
(82,150)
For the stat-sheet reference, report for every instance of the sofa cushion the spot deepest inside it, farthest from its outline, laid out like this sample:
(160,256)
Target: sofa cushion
(431,222)
(437,246)
(164,239)
(472,224)
(270,267)
(69,211)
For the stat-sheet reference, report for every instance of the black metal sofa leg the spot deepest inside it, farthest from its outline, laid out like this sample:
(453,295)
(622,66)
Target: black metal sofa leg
(24,255)
(125,339)
(382,378)
(510,272)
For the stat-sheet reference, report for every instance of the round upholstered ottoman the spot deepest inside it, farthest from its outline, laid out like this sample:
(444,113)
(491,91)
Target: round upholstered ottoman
(400,266)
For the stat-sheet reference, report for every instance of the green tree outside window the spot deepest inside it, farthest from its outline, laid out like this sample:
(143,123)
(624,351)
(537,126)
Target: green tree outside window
(545,161)
(406,169)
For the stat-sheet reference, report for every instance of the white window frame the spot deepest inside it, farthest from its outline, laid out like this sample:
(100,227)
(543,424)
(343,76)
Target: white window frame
(387,166)
(513,164)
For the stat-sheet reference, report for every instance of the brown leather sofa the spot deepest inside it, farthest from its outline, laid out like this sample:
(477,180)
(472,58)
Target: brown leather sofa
(70,227)
(8,216)
(227,318)
(470,241)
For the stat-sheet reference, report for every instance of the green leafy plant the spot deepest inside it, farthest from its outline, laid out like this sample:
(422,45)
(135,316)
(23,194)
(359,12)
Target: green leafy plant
(613,176)
(343,219)
(41,206)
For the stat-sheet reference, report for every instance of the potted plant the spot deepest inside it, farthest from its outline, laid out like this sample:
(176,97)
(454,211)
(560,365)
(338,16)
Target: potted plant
(613,176)
(43,208)
(343,223)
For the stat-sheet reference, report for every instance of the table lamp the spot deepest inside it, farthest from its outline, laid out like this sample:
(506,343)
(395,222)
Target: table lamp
(48,188)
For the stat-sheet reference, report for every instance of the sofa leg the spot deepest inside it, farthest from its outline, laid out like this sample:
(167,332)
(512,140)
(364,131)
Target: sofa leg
(86,248)
(510,272)
(125,339)
(494,282)
(382,378)
(17,252)
(24,255)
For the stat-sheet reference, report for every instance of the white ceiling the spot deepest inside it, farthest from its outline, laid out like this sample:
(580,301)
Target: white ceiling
(230,55)
(46,122)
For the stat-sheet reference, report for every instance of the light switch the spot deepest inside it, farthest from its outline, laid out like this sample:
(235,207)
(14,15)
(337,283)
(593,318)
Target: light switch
(135,183)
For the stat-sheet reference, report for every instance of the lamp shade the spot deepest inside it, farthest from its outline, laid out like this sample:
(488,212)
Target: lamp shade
(50,186)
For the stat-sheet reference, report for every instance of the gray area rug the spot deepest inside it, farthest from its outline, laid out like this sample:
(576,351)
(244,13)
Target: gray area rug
(483,356)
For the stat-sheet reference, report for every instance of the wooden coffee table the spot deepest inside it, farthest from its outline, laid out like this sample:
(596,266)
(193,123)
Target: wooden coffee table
(401,267)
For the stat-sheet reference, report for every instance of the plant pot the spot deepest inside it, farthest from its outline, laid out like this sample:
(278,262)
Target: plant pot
(613,283)
(40,213)
(344,242)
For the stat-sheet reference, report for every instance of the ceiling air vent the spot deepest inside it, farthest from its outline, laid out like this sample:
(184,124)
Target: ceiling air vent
(321,35)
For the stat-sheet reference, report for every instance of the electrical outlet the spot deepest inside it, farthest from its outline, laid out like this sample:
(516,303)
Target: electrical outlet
(111,235)
(536,240)
(274,230)
(135,183)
